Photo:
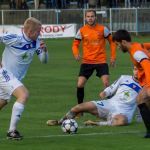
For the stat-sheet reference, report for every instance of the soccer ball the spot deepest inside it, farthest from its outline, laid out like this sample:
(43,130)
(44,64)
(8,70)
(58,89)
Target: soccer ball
(69,126)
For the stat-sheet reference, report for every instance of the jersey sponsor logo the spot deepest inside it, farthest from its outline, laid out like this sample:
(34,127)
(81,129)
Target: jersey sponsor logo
(99,34)
(86,35)
(126,96)
(91,41)
(25,56)
(127,93)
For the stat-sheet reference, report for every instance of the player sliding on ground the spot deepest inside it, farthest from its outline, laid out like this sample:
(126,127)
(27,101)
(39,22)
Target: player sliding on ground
(117,110)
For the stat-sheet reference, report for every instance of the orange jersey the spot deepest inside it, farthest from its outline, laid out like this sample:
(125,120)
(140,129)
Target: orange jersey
(146,45)
(141,59)
(93,44)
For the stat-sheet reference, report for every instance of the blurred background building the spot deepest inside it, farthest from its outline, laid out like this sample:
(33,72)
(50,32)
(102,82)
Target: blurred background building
(132,15)
(69,4)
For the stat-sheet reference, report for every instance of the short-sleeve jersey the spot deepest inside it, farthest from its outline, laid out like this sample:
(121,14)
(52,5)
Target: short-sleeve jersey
(138,53)
(93,43)
(18,53)
(125,91)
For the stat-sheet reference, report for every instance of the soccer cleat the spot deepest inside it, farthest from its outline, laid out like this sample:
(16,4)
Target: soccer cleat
(14,135)
(147,135)
(52,122)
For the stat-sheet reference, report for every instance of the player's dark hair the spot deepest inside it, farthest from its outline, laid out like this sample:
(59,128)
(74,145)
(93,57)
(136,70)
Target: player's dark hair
(120,35)
(90,10)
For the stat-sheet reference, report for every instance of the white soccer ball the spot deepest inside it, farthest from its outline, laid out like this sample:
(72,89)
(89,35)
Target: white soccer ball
(69,126)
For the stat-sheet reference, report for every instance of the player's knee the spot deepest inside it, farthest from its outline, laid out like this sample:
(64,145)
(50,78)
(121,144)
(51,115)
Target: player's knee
(143,96)
(80,85)
(76,108)
(106,84)
(120,120)
(23,97)
(105,80)
(81,82)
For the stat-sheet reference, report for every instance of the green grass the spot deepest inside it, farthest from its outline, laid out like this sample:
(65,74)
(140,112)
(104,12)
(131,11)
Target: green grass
(52,92)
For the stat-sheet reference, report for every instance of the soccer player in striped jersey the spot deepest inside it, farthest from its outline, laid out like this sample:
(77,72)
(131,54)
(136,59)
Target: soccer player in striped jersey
(16,58)
(93,37)
(140,57)
(117,110)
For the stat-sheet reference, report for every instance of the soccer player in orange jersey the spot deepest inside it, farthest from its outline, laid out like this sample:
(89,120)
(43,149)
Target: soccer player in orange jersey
(93,37)
(141,59)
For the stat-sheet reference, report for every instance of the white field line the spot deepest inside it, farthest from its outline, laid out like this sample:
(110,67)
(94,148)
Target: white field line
(78,134)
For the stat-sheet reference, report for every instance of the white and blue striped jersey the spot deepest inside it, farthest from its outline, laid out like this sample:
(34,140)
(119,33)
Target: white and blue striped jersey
(125,88)
(18,53)
(123,93)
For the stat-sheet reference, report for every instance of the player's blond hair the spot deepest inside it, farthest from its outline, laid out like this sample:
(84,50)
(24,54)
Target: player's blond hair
(31,23)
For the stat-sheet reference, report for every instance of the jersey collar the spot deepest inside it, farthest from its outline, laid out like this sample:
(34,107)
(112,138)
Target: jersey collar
(25,37)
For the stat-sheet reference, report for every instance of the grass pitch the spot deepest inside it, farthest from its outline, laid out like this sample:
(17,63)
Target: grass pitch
(52,92)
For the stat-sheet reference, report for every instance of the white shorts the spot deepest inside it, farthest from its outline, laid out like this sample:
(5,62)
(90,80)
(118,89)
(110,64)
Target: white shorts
(103,108)
(107,109)
(8,83)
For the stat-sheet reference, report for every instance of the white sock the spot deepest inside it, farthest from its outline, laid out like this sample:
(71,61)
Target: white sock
(16,114)
(104,123)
